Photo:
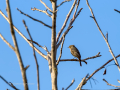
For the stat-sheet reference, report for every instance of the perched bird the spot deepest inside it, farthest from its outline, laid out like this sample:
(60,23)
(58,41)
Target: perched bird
(74,51)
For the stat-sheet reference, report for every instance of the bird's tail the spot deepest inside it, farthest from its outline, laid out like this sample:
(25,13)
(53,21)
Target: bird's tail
(80,62)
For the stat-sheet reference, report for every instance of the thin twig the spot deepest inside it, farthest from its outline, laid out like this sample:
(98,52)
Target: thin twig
(116,10)
(33,18)
(44,11)
(70,84)
(102,67)
(45,5)
(83,82)
(7,42)
(61,50)
(10,84)
(110,50)
(111,84)
(98,55)
(37,66)
(82,59)
(16,47)
(65,22)
(78,12)
(76,9)
(63,2)
(118,81)
(45,48)
(43,55)
(27,67)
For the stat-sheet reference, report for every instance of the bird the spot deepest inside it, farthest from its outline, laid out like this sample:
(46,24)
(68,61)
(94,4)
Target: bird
(75,52)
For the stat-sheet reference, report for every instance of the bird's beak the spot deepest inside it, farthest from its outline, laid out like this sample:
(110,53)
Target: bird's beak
(67,47)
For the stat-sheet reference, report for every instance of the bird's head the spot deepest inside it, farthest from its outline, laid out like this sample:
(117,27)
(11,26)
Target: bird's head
(71,46)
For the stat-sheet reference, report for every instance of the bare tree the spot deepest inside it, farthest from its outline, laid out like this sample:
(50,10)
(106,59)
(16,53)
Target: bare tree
(56,41)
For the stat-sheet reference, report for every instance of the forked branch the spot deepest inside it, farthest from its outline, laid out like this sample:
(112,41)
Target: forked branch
(44,11)
(45,5)
(65,22)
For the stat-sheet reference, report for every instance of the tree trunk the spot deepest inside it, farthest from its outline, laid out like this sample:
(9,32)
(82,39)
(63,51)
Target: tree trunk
(53,46)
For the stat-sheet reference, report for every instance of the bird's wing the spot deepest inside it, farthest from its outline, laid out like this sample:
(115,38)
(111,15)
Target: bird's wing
(76,54)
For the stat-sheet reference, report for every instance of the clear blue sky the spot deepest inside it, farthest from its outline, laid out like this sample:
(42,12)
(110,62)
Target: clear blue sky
(84,35)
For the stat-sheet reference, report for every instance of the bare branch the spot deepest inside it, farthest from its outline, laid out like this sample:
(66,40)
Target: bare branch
(76,9)
(62,37)
(37,66)
(10,84)
(44,11)
(71,22)
(83,60)
(44,56)
(116,10)
(7,42)
(65,22)
(102,67)
(61,50)
(16,47)
(33,18)
(111,84)
(70,84)
(63,2)
(27,67)
(110,50)
(83,82)
(45,5)
(45,48)
(98,55)
(78,12)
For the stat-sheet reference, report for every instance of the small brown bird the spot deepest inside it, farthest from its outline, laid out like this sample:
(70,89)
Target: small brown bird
(74,51)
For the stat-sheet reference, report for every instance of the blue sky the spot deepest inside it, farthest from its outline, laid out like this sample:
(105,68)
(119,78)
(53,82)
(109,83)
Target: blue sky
(84,35)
